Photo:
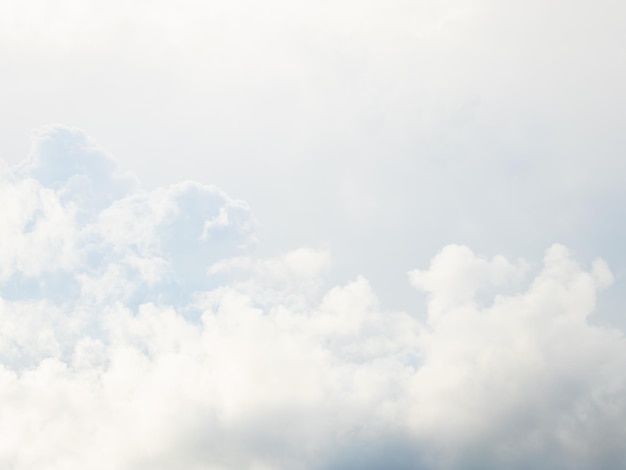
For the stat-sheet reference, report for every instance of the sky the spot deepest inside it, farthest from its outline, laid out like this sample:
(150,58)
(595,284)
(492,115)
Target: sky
(312,235)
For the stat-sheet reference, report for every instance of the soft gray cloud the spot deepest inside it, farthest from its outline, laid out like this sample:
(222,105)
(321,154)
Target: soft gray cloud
(379,129)
(141,332)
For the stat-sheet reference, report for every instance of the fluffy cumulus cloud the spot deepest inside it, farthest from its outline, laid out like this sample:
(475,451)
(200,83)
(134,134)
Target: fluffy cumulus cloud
(139,331)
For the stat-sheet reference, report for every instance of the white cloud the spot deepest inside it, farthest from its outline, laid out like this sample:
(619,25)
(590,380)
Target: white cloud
(519,379)
(37,231)
(164,344)
(456,274)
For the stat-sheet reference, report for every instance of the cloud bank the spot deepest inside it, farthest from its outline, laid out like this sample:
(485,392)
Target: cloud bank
(139,331)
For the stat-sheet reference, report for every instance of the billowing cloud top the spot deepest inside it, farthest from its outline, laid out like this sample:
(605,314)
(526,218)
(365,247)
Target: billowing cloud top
(137,331)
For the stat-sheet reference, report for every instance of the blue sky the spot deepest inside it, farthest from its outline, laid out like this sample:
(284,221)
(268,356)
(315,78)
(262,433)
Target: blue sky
(316,235)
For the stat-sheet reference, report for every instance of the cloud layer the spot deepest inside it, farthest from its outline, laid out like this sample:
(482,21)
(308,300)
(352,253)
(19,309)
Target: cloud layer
(139,331)
(350,123)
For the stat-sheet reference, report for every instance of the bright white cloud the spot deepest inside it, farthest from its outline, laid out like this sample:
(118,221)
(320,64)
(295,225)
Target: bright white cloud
(139,331)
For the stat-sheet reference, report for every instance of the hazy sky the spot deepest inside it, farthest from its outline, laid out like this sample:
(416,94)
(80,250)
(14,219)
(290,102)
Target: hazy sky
(319,235)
